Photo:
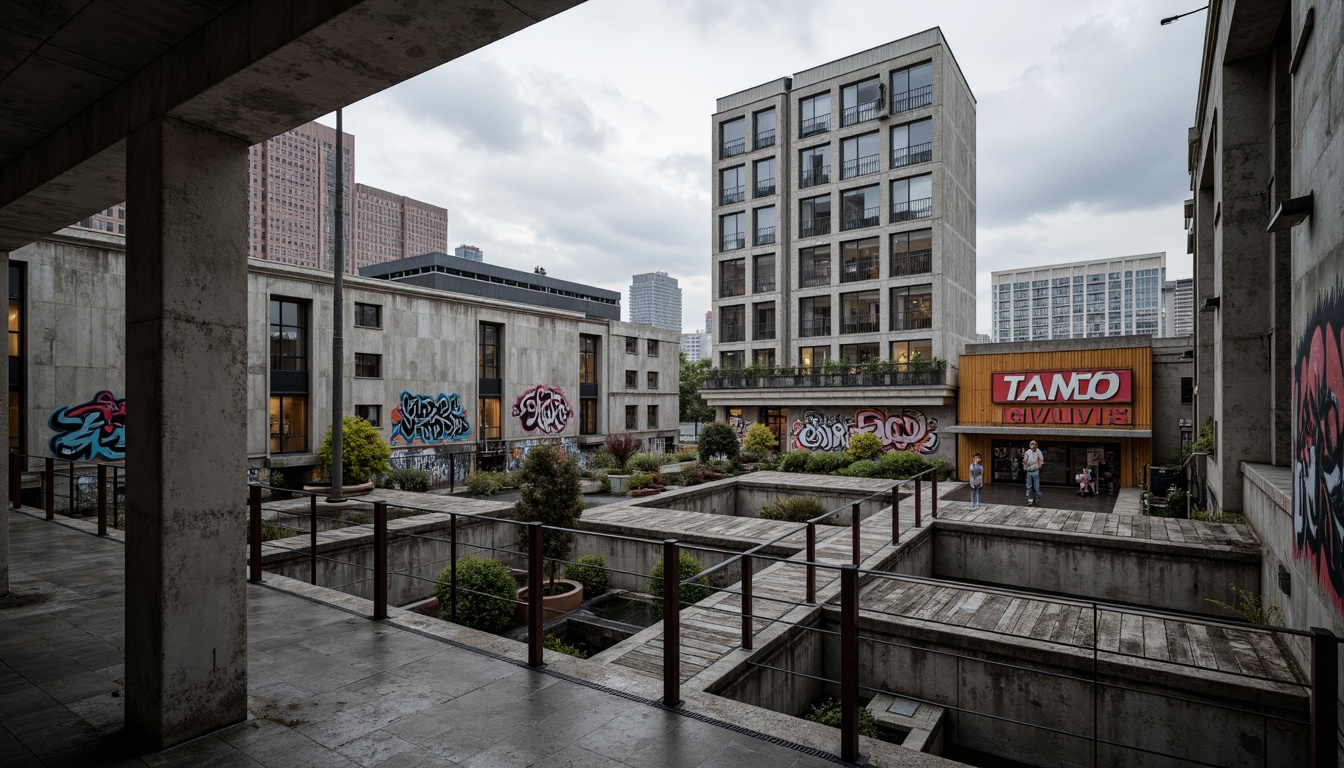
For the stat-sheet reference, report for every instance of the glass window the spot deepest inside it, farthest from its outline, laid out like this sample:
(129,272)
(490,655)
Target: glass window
(814,216)
(860,208)
(732,277)
(653,417)
(370,413)
(765,226)
(860,312)
(587,359)
(763,273)
(653,348)
(632,417)
(912,143)
(289,335)
(368,315)
(763,357)
(653,380)
(632,379)
(368,366)
(809,357)
(588,416)
(859,260)
(763,321)
(860,101)
(733,137)
(859,156)
(858,354)
(814,114)
(732,182)
(733,228)
(814,166)
(912,87)
(765,128)
(732,323)
(814,316)
(289,423)
(912,198)
(764,173)
(732,359)
(490,418)
(912,253)
(488,363)
(905,351)
(911,308)
(631,346)
(814,266)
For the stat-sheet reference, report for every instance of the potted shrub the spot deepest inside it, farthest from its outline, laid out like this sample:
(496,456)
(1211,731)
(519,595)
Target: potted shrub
(551,495)
(485,593)
(363,456)
(591,572)
(621,448)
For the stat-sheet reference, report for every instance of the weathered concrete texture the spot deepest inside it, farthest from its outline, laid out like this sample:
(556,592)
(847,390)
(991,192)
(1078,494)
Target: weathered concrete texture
(744,496)
(186,630)
(1170,366)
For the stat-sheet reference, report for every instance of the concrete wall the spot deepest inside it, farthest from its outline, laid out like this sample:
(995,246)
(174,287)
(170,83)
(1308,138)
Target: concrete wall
(744,497)
(784,673)
(614,361)
(1170,365)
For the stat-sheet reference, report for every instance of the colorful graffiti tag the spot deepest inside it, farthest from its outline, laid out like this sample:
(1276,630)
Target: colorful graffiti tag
(543,409)
(429,419)
(446,466)
(908,430)
(92,431)
(566,445)
(1318,446)
(817,431)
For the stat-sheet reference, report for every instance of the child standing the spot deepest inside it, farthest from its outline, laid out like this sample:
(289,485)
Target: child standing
(977,479)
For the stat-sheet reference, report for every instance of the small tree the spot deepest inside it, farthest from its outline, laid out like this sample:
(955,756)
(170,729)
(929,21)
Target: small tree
(864,445)
(621,448)
(363,452)
(485,594)
(718,439)
(591,572)
(760,440)
(551,496)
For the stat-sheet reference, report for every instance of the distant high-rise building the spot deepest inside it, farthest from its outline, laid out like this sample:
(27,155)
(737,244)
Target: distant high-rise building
(1178,307)
(465,251)
(983,338)
(655,300)
(112,220)
(697,345)
(709,322)
(1082,299)
(389,227)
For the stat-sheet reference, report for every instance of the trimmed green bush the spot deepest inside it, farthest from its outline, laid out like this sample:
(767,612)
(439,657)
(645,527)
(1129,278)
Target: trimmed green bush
(693,475)
(722,466)
(554,643)
(794,461)
(591,572)
(899,465)
(485,594)
(760,440)
(864,445)
(828,713)
(793,509)
(363,452)
(643,462)
(407,479)
(825,462)
(603,460)
(866,468)
(685,455)
(551,496)
(640,482)
(718,439)
(691,593)
(480,484)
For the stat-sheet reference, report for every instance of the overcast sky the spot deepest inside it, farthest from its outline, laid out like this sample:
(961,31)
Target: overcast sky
(582,144)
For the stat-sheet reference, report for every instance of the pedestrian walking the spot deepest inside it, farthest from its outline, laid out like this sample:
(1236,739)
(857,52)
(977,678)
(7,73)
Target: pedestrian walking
(1032,461)
(977,479)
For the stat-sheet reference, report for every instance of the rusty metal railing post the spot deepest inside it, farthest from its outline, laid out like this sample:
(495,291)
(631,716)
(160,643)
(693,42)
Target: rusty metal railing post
(379,560)
(811,562)
(535,619)
(452,483)
(452,565)
(15,481)
(933,495)
(102,500)
(747,628)
(312,539)
(1324,698)
(856,551)
(49,488)
(895,514)
(254,533)
(849,663)
(671,623)
(919,502)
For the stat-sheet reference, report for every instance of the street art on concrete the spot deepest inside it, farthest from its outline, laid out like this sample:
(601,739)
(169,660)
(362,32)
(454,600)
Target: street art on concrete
(543,409)
(446,465)
(429,419)
(1318,446)
(907,430)
(569,446)
(92,431)
(817,431)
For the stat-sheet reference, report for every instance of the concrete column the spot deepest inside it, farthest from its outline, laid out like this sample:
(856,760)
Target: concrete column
(186,352)
(4,426)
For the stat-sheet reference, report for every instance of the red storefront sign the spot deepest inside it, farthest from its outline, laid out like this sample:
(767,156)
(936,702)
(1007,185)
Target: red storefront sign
(1095,416)
(1104,385)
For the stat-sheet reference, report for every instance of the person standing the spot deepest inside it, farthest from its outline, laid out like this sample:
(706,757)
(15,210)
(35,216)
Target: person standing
(977,479)
(1032,461)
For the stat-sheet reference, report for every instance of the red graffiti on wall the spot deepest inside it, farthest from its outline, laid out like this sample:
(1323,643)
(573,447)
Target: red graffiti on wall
(1318,472)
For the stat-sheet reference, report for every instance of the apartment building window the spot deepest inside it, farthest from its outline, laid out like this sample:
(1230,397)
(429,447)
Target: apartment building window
(814,114)
(764,173)
(766,123)
(587,360)
(912,198)
(588,416)
(632,379)
(732,360)
(912,143)
(370,413)
(289,376)
(858,354)
(732,277)
(653,348)
(860,208)
(912,253)
(812,357)
(814,166)
(18,356)
(765,226)
(631,345)
(763,273)
(1187,389)
(368,315)
(861,101)
(733,229)
(764,358)
(814,216)
(912,308)
(859,260)
(588,387)
(912,87)
(860,312)
(732,323)
(368,366)
(652,417)
(814,266)
(859,156)
(490,381)
(632,417)
(733,137)
(763,321)
(653,380)
(814,316)
(905,351)
(732,183)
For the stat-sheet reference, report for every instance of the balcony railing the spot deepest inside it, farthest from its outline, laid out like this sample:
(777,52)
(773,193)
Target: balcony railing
(734,241)
(860,112)
(908,100)
(814,276)
(915,209)
(809,328)
(912,263)
(871,374)
(735,286)
(870,217)
(765,187)
(859,269)
(733,332)
(734,194)
(818,124)
(763,284)
(819,225)
(860,167)
(817,174)
(763,331)
(733,148)
(764,236)
(919,153)
(861,325)
(911,321)
(764,139)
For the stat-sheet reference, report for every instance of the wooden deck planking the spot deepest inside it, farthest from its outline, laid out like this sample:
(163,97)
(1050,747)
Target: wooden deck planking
(1131,634)
(1155,638)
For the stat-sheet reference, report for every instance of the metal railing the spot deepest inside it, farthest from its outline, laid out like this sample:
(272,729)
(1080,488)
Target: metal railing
(764,236)
(870,217)
(913,99)
(855,270)
(763,284)
(764,139)
(733,148)
(914,209)
(765,187)
(912,263)
(831,375)
(911,321)
(734,241)
(913,155)
(860,112)
(861,326)
(446,469)
(763,331)
(860,167)
(734,194)
(733,286)
(814,227)
(70,488)
(811,176)
(810,277)
(814,328)
(733,332)
(818,124)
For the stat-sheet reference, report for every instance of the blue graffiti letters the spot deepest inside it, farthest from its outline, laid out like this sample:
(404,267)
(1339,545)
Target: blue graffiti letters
(429,419)
(92,431)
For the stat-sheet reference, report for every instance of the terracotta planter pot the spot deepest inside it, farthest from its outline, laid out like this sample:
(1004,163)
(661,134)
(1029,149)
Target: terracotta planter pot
(346,490)
(552,606)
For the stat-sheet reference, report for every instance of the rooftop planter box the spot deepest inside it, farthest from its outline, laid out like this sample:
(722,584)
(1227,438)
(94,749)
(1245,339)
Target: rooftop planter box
(881,374)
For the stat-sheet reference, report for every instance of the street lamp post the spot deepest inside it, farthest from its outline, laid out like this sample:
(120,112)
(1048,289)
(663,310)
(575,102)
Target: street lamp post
(338,321)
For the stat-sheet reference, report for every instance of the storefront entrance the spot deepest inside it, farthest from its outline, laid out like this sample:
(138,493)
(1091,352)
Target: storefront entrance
(1063,460)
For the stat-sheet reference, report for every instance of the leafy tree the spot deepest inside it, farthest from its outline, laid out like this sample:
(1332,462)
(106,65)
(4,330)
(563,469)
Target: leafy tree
(692,407)
(551,496)
(760,440)
(485,594)
(864,445)
(718,439)
(363,452)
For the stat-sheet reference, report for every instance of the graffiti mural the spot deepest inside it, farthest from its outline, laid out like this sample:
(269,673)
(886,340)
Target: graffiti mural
(908,430)
(740,426)
(92,431)
(446,466)
(429,419)
(543,409)
(567,445)
(817,431)
(1318,446)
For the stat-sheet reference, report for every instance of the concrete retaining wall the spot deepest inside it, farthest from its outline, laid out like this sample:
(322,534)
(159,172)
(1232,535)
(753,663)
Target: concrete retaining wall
(744,496)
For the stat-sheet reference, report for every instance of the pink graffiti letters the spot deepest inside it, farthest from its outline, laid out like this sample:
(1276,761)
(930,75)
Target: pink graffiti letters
(1318,471)
(904,431)
(543,409)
